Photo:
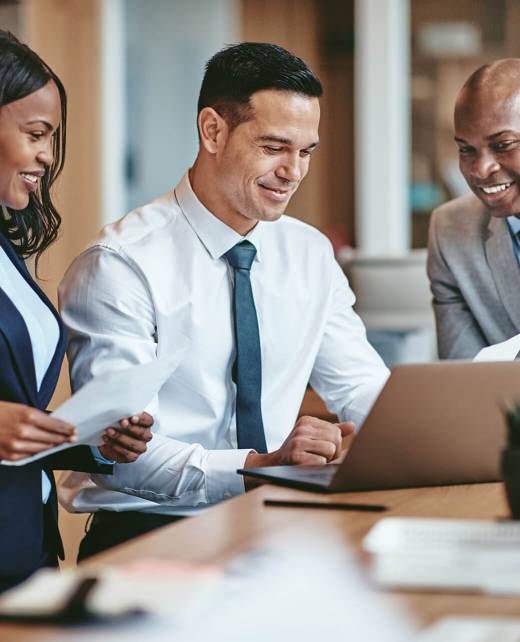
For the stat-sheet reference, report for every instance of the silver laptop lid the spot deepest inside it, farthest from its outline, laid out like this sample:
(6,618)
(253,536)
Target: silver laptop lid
(433,424)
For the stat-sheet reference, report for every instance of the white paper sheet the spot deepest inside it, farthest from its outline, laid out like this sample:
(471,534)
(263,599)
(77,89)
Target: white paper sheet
(505,351)
(106,399)
(446,554)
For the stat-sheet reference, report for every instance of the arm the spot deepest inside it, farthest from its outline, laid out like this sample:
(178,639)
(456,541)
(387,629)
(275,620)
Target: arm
(107,307)
(458,333)
(348,374)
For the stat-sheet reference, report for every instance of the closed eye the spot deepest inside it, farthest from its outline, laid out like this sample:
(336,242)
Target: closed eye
(503,146)
(466,149)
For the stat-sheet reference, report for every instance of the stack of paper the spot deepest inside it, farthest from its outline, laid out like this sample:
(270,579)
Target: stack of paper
(455,555)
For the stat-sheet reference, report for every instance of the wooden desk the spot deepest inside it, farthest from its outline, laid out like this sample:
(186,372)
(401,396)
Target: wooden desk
(244,523)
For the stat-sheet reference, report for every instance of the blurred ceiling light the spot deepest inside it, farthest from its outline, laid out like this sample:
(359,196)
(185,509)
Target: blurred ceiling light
(449,39)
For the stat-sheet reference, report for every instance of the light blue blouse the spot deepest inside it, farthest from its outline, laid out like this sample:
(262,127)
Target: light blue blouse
(42,326)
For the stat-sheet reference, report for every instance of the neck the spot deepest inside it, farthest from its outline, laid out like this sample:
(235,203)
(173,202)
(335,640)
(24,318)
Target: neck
(204,184)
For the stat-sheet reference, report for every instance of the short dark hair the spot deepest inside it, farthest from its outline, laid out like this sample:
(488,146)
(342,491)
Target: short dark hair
(236,72)
(23,72)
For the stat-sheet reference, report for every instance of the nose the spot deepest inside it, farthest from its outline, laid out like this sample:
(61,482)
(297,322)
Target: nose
(484,165)
(45,154)
(291,169)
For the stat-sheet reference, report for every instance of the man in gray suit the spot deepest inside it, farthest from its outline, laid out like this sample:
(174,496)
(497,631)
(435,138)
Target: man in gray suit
(474,247)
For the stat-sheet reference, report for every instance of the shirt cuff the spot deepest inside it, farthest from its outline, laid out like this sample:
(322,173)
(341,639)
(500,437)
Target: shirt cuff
(99,457)
(222,479)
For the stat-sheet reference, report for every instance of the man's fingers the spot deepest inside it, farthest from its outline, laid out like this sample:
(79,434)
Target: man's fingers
(302,447)
(126,442)
(115,451)
(136,432)
(139,432)
(347,428)
(144,419)
(312,459)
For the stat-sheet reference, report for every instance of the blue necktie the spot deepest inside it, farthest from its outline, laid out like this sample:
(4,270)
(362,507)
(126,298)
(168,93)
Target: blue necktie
(247,369)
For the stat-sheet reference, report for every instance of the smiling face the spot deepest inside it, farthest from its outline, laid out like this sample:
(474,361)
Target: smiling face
(261,162)
(26,136)
(487,132)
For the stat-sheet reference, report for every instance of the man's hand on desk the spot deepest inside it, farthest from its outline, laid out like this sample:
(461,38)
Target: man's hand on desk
(126,443)
(311,442)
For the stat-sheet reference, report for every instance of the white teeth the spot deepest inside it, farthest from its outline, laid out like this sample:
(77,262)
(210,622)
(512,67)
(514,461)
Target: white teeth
(496,188)
(30,177)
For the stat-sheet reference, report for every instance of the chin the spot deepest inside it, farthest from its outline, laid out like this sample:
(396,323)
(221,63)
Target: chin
(19,203)
(271,216)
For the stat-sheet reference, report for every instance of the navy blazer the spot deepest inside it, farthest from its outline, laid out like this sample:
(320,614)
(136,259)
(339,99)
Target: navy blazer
(29,536)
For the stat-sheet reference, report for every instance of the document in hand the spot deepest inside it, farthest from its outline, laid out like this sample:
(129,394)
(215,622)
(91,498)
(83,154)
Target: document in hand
(505,351)
(449,554)
(109,397)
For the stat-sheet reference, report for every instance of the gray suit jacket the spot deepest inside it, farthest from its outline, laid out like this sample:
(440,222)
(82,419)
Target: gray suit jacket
(474,277)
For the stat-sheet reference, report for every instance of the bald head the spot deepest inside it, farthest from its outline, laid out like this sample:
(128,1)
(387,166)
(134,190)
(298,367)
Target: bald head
(487,132)
(499,80)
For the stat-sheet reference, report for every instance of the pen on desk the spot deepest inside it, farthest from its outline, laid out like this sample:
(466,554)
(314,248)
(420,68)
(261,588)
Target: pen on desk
(289,503)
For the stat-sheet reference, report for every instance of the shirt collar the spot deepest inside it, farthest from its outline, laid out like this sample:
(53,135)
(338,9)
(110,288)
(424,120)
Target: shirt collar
(514,224)
(216,236)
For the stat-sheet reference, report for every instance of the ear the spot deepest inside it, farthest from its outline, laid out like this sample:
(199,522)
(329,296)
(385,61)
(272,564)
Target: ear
(213,130)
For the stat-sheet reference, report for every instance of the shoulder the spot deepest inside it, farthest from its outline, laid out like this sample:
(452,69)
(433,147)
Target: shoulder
(128,245)
(463,215)
(141,227)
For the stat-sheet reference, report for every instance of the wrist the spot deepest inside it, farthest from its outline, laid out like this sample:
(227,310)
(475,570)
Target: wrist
(258,460)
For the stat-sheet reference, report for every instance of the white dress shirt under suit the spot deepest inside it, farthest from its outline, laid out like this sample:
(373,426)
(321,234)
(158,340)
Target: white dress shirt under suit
(157,274)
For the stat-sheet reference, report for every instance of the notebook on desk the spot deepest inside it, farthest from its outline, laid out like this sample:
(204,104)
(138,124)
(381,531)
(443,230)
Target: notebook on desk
(433,424)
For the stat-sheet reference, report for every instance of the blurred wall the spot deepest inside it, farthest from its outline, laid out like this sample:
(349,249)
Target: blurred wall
(167,46)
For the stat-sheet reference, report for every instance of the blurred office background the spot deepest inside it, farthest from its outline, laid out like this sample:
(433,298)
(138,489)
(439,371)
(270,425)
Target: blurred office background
(390,68)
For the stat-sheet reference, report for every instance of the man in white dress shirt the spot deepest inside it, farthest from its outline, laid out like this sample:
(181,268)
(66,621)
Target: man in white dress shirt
(166,270)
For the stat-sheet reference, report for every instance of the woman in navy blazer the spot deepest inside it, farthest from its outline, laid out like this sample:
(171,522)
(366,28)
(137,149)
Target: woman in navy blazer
(32,339)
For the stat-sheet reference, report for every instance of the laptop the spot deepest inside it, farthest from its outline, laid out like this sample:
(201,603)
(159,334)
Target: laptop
(432,424)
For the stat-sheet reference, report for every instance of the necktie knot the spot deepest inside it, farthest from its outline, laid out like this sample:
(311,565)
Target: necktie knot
(241,255)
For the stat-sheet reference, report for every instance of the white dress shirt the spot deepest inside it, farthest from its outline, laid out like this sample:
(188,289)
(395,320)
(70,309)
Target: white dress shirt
(158,273)
(41,325)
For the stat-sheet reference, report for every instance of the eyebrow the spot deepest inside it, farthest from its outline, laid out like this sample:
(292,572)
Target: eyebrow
(501,133)
(283,141)
(491,136)
(47,125)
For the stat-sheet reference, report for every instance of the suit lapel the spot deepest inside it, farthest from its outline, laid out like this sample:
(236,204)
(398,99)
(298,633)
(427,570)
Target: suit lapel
(504,267)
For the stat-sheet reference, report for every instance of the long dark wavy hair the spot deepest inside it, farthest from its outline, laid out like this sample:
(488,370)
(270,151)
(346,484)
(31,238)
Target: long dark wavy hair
(23,72)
